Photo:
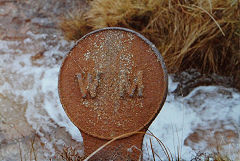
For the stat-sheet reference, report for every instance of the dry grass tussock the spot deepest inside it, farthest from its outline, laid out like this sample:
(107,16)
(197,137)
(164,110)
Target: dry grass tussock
(202,34)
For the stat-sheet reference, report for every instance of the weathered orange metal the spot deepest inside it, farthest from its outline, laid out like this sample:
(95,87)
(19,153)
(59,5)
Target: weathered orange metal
(113,82)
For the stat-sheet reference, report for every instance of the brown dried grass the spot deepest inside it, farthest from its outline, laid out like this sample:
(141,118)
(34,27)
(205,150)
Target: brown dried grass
(202,34)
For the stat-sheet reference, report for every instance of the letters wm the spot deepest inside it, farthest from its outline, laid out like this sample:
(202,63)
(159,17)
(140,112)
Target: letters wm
(90,84)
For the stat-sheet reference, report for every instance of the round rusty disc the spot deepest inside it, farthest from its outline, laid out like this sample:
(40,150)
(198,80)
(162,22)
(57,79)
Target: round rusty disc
(112,82)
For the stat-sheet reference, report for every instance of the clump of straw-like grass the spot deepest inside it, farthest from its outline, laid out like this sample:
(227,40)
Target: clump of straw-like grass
(210,157)
(70,154)
(202,34)
(75,25)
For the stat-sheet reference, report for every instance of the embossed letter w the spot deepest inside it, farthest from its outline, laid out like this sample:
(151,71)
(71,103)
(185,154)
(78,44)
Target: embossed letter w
(90,85)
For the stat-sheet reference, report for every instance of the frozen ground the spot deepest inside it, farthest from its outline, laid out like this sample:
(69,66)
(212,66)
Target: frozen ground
(206,120)
(33,124)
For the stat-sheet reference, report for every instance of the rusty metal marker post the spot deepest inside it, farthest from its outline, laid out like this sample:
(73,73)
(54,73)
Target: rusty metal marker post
(113,82)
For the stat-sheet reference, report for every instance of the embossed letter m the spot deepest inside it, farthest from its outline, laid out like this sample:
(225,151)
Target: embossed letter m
(130,88)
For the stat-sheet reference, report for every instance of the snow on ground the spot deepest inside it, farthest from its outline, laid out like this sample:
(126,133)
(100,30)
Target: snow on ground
(35,82)
(30,57)
(27,79)
(203,107)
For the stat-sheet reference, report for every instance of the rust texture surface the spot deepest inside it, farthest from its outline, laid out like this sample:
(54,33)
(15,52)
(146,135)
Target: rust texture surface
(112,82)
(129,148)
